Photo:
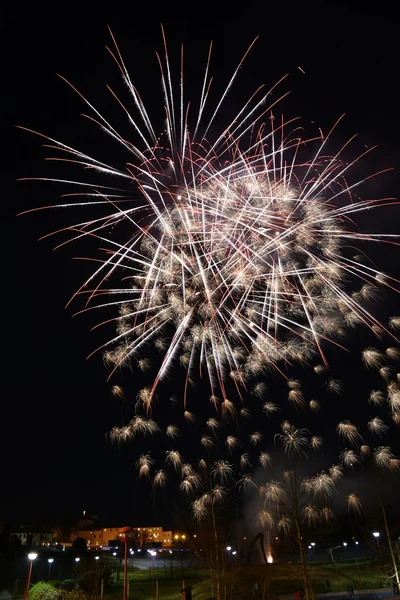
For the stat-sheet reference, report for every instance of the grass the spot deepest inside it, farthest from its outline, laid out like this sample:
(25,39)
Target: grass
(278,580)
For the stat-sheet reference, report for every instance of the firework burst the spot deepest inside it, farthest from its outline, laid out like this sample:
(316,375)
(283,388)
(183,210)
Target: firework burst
(234,252)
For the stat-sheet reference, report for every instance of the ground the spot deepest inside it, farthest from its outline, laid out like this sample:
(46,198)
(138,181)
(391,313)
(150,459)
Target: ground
(368,578)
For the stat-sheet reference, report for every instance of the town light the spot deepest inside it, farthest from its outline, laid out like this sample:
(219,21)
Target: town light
(31,556)
(229,548)
(124,532)
(77,559)
(270,560)
(312,544)
(50,561)
(376,535)
(96,557)
(345,544)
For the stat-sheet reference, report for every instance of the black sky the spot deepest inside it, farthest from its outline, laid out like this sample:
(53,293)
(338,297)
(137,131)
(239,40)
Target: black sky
(55,406)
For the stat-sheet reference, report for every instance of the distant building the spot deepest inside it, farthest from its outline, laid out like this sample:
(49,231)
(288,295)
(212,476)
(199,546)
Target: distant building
(147,536)
(33,537)
(97,537)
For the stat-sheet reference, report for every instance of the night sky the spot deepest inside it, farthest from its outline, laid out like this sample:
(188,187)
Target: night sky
(55,405)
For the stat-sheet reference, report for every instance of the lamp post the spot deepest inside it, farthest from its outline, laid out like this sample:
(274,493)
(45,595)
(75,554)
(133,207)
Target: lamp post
(50,561)
(124,534)
(376,535)
(153,554)
(32,556)
(330,550)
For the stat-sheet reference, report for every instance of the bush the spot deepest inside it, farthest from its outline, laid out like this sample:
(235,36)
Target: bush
(46,591)
(74,595)
(43,591)
(55,583)
(68,585)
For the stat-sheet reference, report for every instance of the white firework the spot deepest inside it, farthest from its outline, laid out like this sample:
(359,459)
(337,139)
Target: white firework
(213,424)
(336,472)
(372,357)
(314,405)
(394,395)
(172,431)
(206,441)
(255,438)
(294,440)
(294,384)
(173,459)
(221,470)
(186,470)
(144,426)
(232,243)
(265,459)
(377,426)
(245,460)
(260,390)
(270,408)
(231,442)
(385,459)
(350,458)
(354,503)
(393,354)
(144,463)
(386,373)
(160,479)
(394,323)
(246,482)
(316,442)
(377,397)
(334,386)
(348,431)
(296,397)
(365,450)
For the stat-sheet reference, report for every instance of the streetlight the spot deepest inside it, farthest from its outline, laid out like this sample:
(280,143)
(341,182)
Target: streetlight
(345,544)
(330,550)
(153,554)
(50,561)
(32,556)
(376,535)
(96,557)
(229,548)
(124,534)
(77,559)
(312,544)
